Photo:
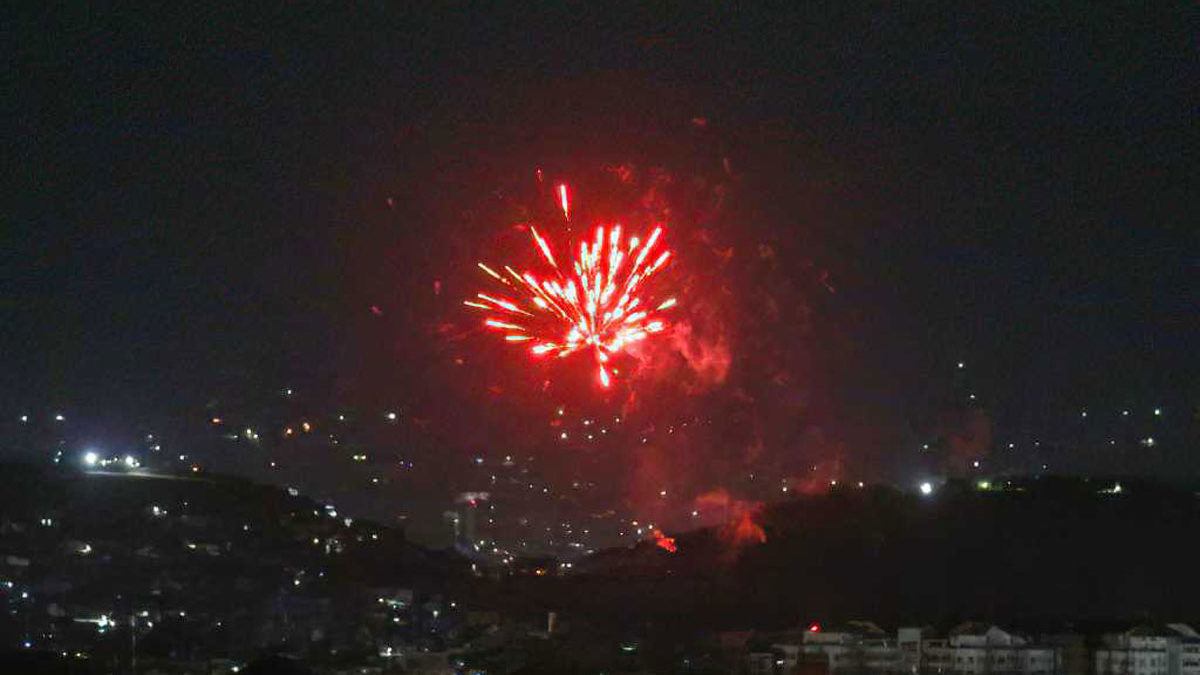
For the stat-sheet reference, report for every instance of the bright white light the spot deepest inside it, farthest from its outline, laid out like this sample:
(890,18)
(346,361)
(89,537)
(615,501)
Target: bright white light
(975,464)
(926,488)
(131,461)
(1083,413)
(391,416)
(59,417)
(961,365)
(90,458)
(24,418)
(1158,412)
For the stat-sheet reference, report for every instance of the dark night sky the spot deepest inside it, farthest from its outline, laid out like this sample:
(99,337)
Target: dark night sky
(198,203)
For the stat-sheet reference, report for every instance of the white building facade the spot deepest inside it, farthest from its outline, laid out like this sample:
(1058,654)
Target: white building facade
(1173,649)
(978,649)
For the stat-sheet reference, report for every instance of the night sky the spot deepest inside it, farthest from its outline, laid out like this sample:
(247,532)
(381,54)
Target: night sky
(202,210)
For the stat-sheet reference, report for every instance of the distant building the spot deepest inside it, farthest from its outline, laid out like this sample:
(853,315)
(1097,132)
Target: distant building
(1173,649)
(1075,652)
(854,646)
(762,663)
(908,641)
(973,649)
(1189,661)
(980,649)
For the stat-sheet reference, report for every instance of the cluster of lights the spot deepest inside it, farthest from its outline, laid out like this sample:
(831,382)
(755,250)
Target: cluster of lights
(93,459)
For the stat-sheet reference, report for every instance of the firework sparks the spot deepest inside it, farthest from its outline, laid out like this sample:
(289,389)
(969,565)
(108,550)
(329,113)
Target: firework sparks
(599,303)
(563,201)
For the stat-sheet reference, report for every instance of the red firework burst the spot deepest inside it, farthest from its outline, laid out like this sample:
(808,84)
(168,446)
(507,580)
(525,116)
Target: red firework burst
(598,304)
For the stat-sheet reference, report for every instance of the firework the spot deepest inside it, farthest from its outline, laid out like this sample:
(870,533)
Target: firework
(598,303)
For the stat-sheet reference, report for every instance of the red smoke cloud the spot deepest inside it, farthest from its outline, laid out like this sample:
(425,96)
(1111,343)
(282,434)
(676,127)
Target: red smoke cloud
(708,358)
(745,531)
(740,517)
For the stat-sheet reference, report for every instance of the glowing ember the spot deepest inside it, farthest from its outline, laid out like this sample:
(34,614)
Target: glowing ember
(597,304)
(664,542)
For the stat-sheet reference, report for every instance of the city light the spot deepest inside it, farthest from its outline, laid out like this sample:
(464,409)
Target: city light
(926,488)
(90,458)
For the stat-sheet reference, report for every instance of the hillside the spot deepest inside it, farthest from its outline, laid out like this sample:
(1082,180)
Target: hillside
(1035,552)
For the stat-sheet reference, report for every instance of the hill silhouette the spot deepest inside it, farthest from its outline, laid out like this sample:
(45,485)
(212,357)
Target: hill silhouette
(1040,552)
